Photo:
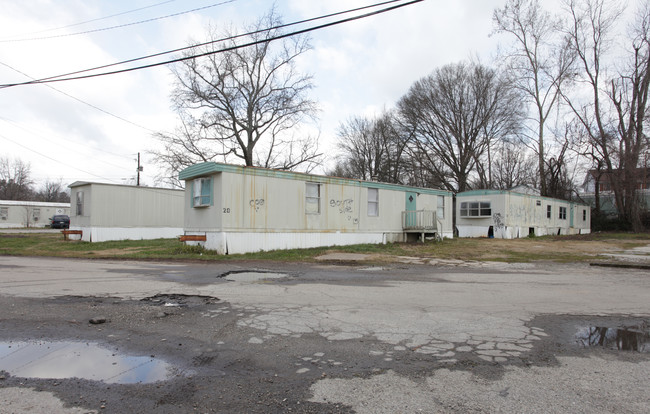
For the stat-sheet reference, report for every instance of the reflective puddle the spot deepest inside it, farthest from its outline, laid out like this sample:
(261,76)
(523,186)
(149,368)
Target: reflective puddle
(251,276)
(80,360)
(634,338)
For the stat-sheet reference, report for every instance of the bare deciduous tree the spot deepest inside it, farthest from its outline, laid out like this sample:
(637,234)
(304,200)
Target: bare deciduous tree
(53,191)
(614,117)
(373,149)
(15,180)
(512,166)
(242,103)
(455,114)
(540,62)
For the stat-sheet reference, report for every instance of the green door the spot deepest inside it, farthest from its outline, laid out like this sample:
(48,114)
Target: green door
(411,205)
(571,217)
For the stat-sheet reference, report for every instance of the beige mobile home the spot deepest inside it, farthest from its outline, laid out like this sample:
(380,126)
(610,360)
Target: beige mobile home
(120,212)
(509,214)
(29,213)
(235,209)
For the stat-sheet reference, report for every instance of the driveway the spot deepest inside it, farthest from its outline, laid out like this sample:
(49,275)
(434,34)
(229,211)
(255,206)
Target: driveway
(269,337)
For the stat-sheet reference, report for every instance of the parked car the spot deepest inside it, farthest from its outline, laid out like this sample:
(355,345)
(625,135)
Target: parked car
(60,222)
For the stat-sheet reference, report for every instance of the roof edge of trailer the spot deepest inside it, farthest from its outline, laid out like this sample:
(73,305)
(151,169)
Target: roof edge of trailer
(83,183)
(514,193)
(208,168)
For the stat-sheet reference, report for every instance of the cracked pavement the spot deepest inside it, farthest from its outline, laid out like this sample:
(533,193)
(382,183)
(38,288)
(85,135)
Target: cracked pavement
(441,337)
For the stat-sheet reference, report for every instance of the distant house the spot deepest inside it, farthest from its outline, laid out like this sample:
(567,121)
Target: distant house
(120,212)
(233,209)
(600,184)
(509,214)
(29,213)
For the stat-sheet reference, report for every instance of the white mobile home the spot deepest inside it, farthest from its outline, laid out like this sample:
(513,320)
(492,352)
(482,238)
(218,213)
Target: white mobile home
(29,213)
(120,212)
(235,209)
(509,214)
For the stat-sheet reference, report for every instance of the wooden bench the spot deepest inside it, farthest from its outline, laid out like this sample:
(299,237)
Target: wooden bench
(66,233)
(192,237)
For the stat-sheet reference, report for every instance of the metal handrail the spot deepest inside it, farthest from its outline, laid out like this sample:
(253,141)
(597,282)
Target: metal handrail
(419,220)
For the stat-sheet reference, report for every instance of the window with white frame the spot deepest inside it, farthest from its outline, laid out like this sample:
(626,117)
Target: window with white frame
(476,209)
(562,215)
(584,215)
(440,212)
(549,210)
(4,213)
(373,202)
(80,203)
(202,192)
(312,198)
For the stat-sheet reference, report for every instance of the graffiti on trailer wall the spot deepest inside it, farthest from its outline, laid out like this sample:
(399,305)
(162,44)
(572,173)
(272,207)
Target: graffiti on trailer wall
(257,203)
(498,220)
(345,207)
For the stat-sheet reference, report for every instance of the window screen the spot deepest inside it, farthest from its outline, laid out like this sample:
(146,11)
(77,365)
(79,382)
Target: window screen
(373,202)
(202,192)
(312,198)
(80,203)
(476,209)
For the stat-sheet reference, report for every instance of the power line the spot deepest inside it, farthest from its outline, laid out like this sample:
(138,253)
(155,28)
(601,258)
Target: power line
(103,29)
(96,20)
(54,159)
(218,40)
(16,125)
(80,100)
(61,78)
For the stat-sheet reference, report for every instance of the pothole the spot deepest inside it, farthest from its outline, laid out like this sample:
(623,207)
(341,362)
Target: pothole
(250,275)
(630,338)
(59,360)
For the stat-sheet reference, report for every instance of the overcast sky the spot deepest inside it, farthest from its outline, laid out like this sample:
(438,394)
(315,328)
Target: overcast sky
(74,132)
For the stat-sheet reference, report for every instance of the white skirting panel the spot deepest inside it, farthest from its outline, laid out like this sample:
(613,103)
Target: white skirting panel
(249,242)
(509,232)
(100,234)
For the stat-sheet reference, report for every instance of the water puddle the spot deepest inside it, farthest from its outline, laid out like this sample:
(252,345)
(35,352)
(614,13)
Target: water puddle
(58,360)
(633,338)
(251,276)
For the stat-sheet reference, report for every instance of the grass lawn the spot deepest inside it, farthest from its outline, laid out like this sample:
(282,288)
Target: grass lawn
(548,248)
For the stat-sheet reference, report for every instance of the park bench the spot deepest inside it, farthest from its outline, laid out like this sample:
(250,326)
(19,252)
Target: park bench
(67,233)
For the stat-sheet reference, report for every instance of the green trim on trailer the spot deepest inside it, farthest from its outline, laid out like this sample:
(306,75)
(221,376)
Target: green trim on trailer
(474,193)
(208,168)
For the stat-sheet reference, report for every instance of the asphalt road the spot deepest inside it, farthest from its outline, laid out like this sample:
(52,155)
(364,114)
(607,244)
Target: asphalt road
(328,337)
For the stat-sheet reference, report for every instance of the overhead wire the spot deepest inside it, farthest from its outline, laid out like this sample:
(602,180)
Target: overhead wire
(94,20)
(80,100)
(103,29)
(76,144)
(54,159)
(68,76)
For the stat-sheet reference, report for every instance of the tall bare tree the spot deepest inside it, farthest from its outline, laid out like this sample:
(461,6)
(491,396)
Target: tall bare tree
(242,103)
(15,179)
(373,149)
(512,166)
(455,114)
(540,61)
(615,117)
(53,191)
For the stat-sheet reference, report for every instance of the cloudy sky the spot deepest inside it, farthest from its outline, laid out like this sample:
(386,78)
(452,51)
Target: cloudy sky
(93,129)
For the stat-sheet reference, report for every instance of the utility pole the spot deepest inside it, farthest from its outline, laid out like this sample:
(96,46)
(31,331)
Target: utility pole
(139,170)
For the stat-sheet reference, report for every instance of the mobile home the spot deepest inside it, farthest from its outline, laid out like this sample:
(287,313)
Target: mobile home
(121,212)
(234,209)
(510,214)
(29,213)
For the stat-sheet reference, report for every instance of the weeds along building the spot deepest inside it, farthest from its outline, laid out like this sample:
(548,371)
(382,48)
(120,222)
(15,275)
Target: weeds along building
(106,212)
(17,214)
(234,209)
(511,214)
